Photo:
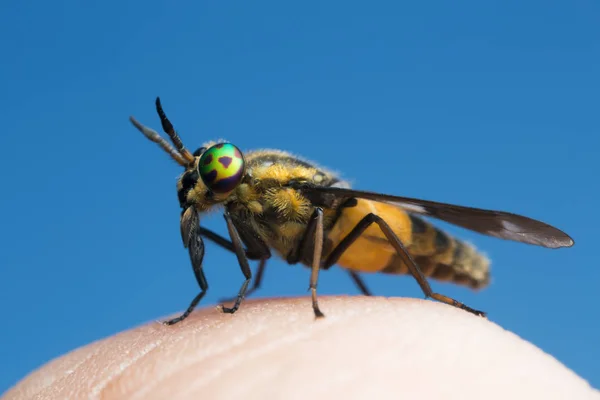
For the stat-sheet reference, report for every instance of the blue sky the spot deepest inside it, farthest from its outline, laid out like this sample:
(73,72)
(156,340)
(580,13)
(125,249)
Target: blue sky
(489,104)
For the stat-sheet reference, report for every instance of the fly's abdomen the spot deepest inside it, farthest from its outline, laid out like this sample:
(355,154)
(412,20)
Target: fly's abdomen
(443,257)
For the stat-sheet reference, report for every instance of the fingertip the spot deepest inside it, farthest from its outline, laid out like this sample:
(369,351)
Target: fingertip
(364,347)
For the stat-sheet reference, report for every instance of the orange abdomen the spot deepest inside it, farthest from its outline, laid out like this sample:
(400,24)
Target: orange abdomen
(371,252)
(437,254)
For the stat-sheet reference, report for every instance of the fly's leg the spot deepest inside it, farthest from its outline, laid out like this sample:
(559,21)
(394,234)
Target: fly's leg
(195,245)
(316,264)
(260,270)
(243,261)
(203,288)
(359,283)
(311,242)
(402,252)
(251,253)
(313,236)
(254,252)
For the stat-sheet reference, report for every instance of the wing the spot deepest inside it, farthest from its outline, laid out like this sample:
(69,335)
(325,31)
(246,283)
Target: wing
(499,224)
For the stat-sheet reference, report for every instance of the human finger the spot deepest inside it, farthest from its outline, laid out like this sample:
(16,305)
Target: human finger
(365,347)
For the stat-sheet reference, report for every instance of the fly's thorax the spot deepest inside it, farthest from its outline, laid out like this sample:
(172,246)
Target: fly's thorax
(265,190)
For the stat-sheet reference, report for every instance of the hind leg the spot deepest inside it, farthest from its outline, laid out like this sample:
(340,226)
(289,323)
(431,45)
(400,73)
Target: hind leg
(402,252)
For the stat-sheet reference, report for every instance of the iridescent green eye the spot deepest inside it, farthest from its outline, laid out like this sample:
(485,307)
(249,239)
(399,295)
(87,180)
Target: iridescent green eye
(221,167)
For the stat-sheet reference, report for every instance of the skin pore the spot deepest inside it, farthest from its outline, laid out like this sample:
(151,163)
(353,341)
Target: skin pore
(366,347)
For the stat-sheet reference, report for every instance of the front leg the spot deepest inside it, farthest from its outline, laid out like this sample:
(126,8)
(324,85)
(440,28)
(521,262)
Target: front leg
(258,278)
(194,243)
(243,261)
(256,250)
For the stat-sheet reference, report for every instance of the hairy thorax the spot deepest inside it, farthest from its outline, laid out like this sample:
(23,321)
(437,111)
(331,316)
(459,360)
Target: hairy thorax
(276,213)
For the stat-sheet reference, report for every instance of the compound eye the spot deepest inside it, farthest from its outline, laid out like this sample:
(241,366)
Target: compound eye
(221,167)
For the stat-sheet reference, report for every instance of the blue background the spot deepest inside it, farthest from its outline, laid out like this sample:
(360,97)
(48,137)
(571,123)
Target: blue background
(490,104)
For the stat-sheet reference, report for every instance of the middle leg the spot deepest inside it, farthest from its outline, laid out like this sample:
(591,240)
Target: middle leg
(311,241)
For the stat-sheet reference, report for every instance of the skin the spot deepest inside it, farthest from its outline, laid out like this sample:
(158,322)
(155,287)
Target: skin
(274,349)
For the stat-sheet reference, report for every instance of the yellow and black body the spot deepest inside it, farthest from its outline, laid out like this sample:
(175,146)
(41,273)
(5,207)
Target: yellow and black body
(276,202)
